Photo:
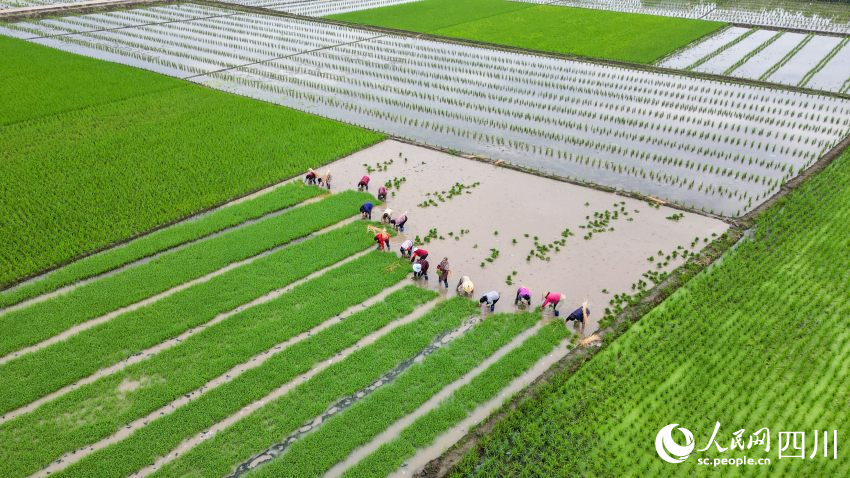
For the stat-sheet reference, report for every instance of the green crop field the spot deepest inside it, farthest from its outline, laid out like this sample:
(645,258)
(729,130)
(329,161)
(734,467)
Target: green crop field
(759,340)
(94,153)
(574,31)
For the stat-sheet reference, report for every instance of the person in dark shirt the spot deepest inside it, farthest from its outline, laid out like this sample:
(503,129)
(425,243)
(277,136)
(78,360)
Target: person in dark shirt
(579,316)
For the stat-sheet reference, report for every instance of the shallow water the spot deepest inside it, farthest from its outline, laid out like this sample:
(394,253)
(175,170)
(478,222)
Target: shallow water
(807,58)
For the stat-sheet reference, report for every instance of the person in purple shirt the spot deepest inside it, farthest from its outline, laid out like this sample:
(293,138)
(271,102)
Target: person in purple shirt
(523,296)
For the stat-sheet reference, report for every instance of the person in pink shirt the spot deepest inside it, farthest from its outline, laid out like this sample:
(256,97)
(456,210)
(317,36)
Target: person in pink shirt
(523,296)
(553,299)
(363,184)
(382,193)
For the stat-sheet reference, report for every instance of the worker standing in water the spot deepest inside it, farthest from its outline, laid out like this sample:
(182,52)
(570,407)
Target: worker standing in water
(443,272)
(363,185)
(366,210)
(465,286)
(423,269)
(418,254)
(406,248)
(311,177)
(383,240)
(325,180)
(553,299)
(579,316)
(399,222)
(382,193)
(490,299)
(523,297)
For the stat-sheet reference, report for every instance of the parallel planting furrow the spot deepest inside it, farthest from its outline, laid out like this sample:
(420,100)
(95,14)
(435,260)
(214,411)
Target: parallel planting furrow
(814,71)
(42,320)
(150,245)
(217,455)
(316,452)
(37,374)
(708,145)
(150,385)
(465,405)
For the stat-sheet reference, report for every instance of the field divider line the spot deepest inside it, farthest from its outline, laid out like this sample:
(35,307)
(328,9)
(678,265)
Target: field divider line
(720,50)
(393,431)
(143,260)
(167,344)
(447,439)
(285,388)
(64,335)
(328,47)
(257,360)
(824,61)
(346,402)
(785,59)
(755,51)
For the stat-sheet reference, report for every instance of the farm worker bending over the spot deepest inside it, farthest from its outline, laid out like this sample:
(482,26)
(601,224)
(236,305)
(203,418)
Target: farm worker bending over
(363,184)
(423,269)
(523,296)
(311,177)
(383,240)
(399,222)
(417,270)
(382,193)
(443,272)
(406,248)
(465,286)
(418,254)
(326,179)
(553,299)
(490,299)
(366,210)
(579,315)
(386,217)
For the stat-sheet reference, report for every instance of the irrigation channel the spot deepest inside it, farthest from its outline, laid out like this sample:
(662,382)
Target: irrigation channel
(798,59)
(707,145)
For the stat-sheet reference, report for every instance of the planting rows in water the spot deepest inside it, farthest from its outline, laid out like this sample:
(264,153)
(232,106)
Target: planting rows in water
(319,8)
(813,61)
(129,151)
(824,16)
(758,340)
(41,320)
(46,434)
(160,241)
(40,372)
(713,146)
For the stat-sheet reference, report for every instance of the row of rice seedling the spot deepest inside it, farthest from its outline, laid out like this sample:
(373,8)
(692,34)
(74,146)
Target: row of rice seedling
(41,320)
(816,61)
(319,8)
(554,115)
(45,434)
(815,16)
(314,454)
(165,433)
(162,240)
(693,363)
(423,431)
(36,374)
(277,418)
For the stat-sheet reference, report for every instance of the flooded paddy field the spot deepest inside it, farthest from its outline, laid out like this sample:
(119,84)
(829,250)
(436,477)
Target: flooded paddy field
(711,146)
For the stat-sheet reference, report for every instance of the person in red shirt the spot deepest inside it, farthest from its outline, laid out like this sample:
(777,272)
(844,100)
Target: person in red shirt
(553,299)
(418,255)
(383,240)
(363,184)
(382,193)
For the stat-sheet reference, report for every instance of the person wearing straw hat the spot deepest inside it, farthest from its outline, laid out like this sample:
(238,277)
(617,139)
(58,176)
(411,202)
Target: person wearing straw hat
(387,216)
(465,286)
(325,180)
(383,240)
(311,177)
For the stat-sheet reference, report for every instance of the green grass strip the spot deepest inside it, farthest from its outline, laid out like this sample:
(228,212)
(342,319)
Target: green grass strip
(257,431)
(421,433)
(161,240)
(720,50)
(814,71)
(787,57)
(39,373)
(42,320)
(317,452)
(47,433)
(846,87)
(164,434)
(753,53)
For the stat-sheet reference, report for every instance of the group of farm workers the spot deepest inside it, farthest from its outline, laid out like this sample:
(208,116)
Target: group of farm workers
(420,265)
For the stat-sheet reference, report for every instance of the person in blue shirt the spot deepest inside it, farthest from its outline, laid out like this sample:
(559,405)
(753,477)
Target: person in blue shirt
(579,316)
(366,210)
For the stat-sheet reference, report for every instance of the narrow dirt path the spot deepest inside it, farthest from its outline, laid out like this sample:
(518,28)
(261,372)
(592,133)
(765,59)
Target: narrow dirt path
(74,456)
(194,441)
(147,353)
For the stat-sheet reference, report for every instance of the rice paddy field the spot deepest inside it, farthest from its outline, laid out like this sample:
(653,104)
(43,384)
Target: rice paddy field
(180,298)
